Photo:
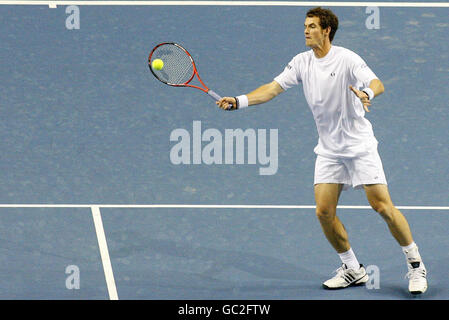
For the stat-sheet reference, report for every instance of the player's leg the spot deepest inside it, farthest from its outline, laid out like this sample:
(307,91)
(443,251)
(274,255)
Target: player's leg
(326,198)
(351,272)
(380,200)
(330,177)
(368,171)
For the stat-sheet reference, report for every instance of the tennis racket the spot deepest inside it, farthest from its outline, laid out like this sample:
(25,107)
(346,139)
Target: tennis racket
(179,68)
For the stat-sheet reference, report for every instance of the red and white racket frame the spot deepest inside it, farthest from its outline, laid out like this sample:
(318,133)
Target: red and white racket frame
(205,89)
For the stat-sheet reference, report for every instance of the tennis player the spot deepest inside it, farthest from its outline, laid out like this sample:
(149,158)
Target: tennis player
(339,88)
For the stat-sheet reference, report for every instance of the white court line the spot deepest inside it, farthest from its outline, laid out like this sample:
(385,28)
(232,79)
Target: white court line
(205,206)
(54,3)
(107,267)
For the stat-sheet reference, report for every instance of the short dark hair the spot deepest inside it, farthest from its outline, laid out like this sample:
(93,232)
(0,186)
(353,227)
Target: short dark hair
(327,19)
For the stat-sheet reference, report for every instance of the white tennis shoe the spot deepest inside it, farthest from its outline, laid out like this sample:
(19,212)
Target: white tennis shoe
(347,277)
(417,275)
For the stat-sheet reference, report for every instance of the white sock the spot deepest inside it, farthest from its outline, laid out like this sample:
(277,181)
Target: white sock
(349,259)
(411,252)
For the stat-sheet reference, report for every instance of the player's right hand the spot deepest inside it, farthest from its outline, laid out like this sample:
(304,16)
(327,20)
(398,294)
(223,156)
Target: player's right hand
(227,103)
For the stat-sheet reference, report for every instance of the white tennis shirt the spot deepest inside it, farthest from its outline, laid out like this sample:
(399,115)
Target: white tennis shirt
(339,115)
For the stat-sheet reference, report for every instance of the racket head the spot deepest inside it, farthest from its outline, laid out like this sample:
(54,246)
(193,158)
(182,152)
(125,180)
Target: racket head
(179,67)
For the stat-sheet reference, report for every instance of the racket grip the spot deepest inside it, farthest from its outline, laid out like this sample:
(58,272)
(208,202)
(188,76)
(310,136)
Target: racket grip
(214,96)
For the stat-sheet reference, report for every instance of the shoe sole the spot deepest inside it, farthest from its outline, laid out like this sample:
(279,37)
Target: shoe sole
(357,283)
(418,292)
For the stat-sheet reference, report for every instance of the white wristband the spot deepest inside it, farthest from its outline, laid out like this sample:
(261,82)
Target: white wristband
(242,101)
(369,92)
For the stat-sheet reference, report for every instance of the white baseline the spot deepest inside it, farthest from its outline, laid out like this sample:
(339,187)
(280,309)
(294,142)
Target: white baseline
(55,3)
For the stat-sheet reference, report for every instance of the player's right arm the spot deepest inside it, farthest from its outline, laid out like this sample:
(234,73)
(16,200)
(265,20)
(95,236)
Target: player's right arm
(262,94)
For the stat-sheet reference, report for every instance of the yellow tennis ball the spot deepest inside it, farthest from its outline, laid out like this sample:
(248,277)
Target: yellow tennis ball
(157,64)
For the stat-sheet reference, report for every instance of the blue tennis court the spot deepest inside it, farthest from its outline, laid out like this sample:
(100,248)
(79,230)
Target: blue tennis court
(87,177)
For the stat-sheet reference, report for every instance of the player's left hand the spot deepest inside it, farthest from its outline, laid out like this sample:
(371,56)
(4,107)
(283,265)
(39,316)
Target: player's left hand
(362,96)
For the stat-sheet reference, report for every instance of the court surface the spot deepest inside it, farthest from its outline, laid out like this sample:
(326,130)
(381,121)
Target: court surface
(85,138)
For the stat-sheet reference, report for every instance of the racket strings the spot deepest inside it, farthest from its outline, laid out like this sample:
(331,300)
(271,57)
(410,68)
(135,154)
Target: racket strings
(178,67)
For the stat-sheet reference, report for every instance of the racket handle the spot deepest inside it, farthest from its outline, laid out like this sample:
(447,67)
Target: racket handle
(216,97)
(213,95)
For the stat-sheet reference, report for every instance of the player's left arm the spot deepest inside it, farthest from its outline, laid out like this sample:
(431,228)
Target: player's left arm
(365,95)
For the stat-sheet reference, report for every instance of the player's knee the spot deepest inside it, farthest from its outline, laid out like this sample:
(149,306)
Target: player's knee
(385,209)
(325,213)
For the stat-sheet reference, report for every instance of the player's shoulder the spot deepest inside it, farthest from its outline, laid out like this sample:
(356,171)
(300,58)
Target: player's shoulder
(299,61)
(303,56)
(346,53)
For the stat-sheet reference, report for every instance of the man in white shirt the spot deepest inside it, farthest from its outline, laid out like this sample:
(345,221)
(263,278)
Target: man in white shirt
(339,88)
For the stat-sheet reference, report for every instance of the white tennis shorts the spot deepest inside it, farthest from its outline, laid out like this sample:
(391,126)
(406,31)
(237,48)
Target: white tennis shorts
(355,172)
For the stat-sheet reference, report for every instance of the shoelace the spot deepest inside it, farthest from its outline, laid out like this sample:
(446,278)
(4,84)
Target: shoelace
(340,270)
(416,274)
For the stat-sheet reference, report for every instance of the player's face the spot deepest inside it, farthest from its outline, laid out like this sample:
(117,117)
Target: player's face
(313,32)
